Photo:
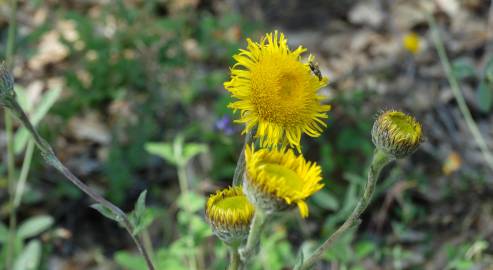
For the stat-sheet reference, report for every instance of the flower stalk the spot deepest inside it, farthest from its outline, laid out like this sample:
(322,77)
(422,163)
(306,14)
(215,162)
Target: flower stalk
(8,99)
(240,165)
(9,130)
(256,228)
(380,159)
(234,261)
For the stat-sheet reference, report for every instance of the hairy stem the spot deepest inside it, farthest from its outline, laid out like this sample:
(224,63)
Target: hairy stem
(50,157)
(380,159)
(234,261)
(256,228)
(240,165)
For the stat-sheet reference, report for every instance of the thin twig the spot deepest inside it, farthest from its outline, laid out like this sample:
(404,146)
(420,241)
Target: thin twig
(49,155)
(380,159)
(454,85)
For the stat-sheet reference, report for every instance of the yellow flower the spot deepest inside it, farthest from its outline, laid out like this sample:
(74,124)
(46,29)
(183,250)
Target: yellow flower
(396,133)
(276,92)
(411,42)
(275,179)
(229,212)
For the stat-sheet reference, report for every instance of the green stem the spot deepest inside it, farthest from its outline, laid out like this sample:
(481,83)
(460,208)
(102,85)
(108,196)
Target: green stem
(380,159)
(256,228)
(9,53)
(240,165)
(28,156)
(184,189)
(11,185)
(146,238)
(183,178)
(454,85)
(49,155)
(234,261)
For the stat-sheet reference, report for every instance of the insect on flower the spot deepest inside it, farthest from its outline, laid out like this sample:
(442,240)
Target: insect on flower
(315,69)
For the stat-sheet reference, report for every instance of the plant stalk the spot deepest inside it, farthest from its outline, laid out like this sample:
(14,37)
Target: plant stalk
(240,165)
(234,261)
(380,159)
(26,165)
(454,85)
(9,53)
(50,157)
(183,178)
(256,228)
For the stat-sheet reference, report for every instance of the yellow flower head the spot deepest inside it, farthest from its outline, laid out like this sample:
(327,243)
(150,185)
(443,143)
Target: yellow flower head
(277,92)
(396,133)
(229,212)
(275,179)
(411,42)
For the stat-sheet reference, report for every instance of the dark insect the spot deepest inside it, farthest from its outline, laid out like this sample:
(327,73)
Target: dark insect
(315,69)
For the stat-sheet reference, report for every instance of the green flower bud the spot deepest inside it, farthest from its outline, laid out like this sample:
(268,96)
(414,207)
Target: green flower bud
(396,133)
(230,213)
(7,94)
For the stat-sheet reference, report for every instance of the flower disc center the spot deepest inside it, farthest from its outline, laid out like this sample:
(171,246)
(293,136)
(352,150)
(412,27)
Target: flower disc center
(291,180)
(233,203)
(405,124)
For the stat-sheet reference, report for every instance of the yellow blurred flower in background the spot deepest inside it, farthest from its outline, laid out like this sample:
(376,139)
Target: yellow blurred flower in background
(412,42)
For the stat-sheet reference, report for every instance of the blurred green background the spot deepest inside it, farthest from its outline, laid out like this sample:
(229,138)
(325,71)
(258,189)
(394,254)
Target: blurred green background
(130,94)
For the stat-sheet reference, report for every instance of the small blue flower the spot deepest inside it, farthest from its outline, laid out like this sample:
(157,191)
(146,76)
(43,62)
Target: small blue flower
(224,124)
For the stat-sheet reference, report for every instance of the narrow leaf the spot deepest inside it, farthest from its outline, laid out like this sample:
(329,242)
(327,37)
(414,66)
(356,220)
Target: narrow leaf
(463,68)
(30,257)
(105,211)
(34,226)
(140,205)
(163,150)
(193,149)
(484,95)
(45,104)
(4,233)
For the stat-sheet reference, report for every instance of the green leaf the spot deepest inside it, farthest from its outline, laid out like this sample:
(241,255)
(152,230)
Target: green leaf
(4,233)
(300,260)
(364,248)
(105,211)
(191,202)
(142,222)
(488,70)
(326,200)
(463,68)
(29,257)
(130,261)
(34,226)
(22,98)
(164,150)
(140,205)
(484,95)
(193,149)
(45,104)
(141,217)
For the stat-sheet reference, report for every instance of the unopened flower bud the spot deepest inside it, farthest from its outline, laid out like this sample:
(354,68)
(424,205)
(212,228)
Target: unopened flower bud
(229,213)
(396,133)
(6,86)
